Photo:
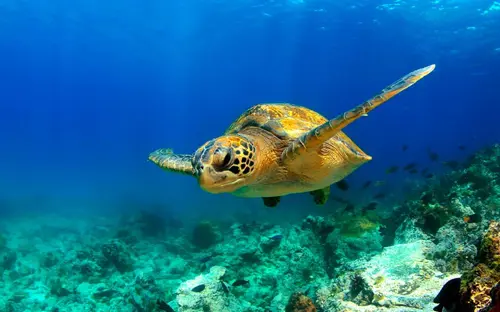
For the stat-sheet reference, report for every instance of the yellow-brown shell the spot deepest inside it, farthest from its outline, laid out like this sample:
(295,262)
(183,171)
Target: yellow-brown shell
(284,120)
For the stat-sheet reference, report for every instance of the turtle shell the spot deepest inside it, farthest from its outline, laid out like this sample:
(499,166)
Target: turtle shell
(284,120)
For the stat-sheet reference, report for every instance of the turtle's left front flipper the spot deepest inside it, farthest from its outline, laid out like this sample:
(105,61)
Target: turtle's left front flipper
(320,134)
(167,160)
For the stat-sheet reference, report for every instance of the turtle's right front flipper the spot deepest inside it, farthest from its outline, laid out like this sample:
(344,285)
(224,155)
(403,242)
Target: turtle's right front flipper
(322,133)
(167,160)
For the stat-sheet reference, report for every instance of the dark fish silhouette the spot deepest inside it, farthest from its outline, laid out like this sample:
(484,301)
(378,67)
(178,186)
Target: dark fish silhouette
(475,218)
(433,155)
(349,208)
(428,176)
(342,184)
(462,147)
(277,237)
(426,198)
(410,166)
(392,169)
(370,206)
(452,164)
(163,306)
(413,171)
(206,259)
(366,184)
(240,283)
(198,288)
(339,199)
(379,195)
(449,296)
(404,147)
(224,287)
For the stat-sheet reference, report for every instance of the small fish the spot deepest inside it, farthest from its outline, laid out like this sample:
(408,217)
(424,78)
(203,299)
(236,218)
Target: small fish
(449,296)
(379,183)
(452,164)
(432,155)
(349,208)
(366,184)
(276,237)
(370,206)
(206,259)
(404,147)
(163,306)
(198,288)
(224,287)
(426,198)
(339,199)
(452,195)
(410,166)
(428,176)
(240,283)
(462,147)
(412,171)
(392,169)
(475,218)
(424,171)
(342,185)
(379,195)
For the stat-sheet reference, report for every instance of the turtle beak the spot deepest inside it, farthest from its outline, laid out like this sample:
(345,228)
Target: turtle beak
(211,180)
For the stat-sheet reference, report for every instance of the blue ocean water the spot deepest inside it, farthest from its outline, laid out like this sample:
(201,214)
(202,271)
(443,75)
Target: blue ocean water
(90,88)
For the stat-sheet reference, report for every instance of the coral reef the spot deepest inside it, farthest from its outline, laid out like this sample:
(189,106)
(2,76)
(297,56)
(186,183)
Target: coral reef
(478,282)
(394,259)
(401,278)
(204,235)
(299,302)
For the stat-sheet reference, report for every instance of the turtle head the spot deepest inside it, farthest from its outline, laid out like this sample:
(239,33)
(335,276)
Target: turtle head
(224,164)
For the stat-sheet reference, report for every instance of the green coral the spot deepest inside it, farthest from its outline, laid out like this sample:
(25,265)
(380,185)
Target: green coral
(204,235)
(476,284)
(490,252)
(357,226)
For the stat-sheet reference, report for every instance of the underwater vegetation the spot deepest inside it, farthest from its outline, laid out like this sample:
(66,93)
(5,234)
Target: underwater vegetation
(204,235)
(478,288)
(354,260)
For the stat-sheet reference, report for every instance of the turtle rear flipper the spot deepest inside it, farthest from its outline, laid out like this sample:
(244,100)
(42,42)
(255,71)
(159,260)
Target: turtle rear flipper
(321,196)
(322,133)
(169,161)
(271,201)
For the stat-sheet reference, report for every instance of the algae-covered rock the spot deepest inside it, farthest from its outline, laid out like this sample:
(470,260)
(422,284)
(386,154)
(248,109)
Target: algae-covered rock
(401,278)
(478,282)
(206,292)
(299,302)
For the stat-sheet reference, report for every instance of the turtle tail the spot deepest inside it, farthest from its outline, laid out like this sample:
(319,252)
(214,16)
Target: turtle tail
(166,159)
(322,133)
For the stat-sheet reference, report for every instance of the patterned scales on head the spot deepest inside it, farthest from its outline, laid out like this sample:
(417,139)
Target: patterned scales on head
(277,149)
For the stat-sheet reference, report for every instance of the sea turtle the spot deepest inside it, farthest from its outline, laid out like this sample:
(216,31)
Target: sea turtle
(277,149)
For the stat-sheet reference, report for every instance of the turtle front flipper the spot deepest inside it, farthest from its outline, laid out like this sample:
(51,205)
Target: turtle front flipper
(271,201)
(169,161)
(322,133)
(321,196)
